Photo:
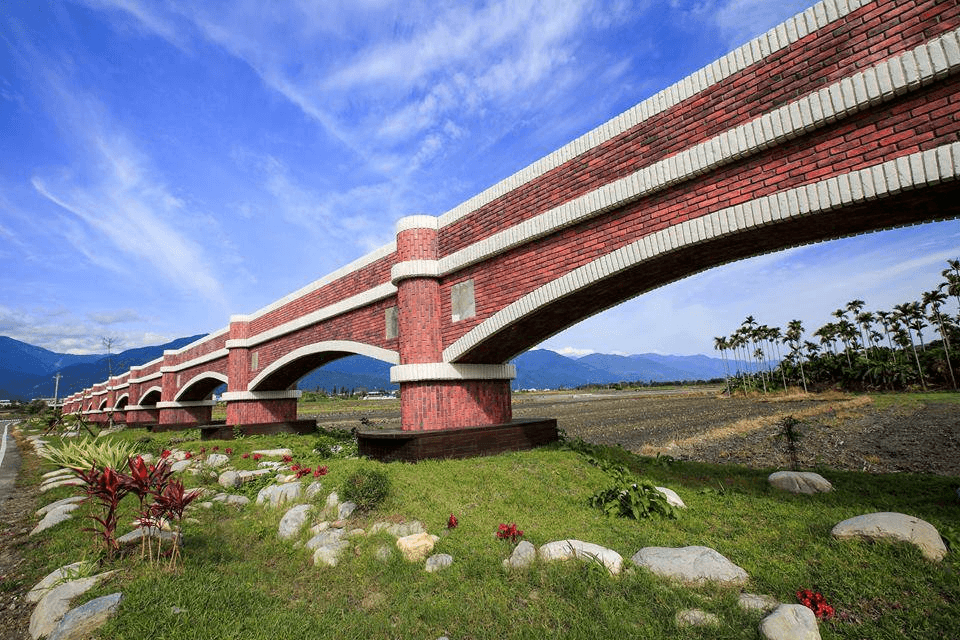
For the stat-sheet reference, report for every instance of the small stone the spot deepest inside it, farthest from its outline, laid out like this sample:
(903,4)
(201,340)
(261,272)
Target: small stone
(329,555)
(229,480)
(383,553)
(416,547)
(805,482)
(522,556)
(790,622)
(320,526)
(755,602)
(42,511)
(277,494)
(292,521)
(149,532)
(897,527)
(63,482)
(80,622)
(247,476)
(695,618)
(345,510)
(692,564)
(55,517)
(274,453)
(332,500)
(217,460)
(236,501)
(570,549)
(672,497)
(438,561)
(56,602)
(57,576)
(181,465)
(313,489)
(325,538)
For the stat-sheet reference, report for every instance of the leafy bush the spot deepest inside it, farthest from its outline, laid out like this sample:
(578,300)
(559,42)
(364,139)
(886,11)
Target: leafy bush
(85,454)
(335,444)
(630,497)
(366,488)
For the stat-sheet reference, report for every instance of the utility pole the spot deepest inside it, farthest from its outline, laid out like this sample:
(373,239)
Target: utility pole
(56,388)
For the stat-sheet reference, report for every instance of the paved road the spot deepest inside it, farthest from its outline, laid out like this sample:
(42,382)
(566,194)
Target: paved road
(9,459)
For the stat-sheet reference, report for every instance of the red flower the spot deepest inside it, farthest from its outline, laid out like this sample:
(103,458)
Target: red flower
(229,451)
(452,522)
(165,454)
(303,471)
(215,449)
(295,467)
(288,458)
(245,456)
(187,455)
(320,471)
(203,450)
(257,456)
(509,532)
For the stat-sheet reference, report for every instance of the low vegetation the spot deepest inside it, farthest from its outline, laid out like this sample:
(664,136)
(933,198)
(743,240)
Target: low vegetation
(236,579)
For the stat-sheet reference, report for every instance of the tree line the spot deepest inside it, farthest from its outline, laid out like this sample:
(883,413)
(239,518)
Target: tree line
(861,350)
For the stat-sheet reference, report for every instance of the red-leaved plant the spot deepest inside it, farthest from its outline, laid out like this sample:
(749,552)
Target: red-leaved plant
(509,532)
(452,522)
(815,601)
(105,487)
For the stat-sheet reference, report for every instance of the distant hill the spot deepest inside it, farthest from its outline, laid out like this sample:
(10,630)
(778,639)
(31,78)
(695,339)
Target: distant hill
(27,372)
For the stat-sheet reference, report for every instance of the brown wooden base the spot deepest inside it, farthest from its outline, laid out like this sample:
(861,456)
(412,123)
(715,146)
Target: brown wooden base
(466,442)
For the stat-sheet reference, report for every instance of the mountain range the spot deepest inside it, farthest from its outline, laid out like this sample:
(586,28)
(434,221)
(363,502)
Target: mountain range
(27,371)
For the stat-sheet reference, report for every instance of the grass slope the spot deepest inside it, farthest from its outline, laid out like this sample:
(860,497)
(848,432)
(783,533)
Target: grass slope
(239,580)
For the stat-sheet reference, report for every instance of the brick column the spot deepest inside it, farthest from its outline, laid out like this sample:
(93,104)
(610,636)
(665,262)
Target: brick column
(435,395)
(136,414)
(251,407)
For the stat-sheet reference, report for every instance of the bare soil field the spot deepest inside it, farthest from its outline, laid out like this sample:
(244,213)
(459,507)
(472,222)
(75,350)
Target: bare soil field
(836,431)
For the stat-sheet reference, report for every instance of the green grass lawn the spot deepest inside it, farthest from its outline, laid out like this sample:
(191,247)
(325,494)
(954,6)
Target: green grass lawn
(239,581)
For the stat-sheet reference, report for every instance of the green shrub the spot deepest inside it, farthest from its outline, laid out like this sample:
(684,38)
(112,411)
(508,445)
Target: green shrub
(366,488)
(630,497)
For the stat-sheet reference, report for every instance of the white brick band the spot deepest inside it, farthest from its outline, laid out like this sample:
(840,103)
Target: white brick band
(446,371)
(414,269)
(418,222)
(185,405)
(234,396)
(210,357)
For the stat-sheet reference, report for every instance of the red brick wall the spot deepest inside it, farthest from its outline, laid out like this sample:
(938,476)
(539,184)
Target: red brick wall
(446,405)
(261,411)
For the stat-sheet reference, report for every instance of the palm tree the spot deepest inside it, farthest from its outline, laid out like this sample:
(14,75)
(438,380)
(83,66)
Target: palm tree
(722,345)
(904,312)
(792,337)
(886,320)
(774,336)
(934,299)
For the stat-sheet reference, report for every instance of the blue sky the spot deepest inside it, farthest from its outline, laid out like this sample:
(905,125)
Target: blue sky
(166,164)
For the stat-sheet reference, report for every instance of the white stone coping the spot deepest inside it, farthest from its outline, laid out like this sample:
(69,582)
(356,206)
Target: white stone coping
(153,376)
(147,365)
(233,396)
(357,301)
(139,407)
(356,265)
(144,394)
(874,85)
(418,222)
(330,346)
(205,375)
(777,38)
(185,405)
(878,181)
(414,269)
(209,357)
(448,371)
(196,343)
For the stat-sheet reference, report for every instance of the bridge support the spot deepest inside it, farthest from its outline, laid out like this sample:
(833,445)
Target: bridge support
(183,415)
(260,407)
(142,416)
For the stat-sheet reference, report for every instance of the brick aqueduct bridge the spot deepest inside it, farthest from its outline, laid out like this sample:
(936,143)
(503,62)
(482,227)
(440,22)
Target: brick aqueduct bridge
(842,120)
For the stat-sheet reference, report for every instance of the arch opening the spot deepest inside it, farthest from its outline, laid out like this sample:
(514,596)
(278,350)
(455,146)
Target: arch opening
(201,387)
(151,397)
(287,371)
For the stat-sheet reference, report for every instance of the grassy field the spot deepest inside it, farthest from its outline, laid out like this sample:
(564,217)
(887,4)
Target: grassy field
(239,580)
